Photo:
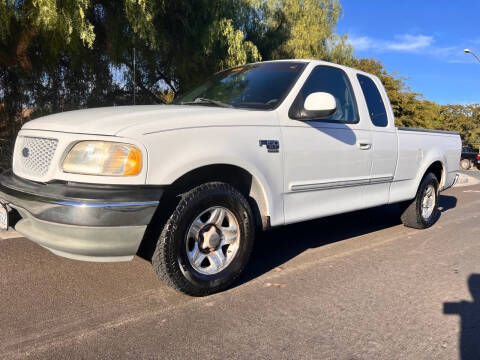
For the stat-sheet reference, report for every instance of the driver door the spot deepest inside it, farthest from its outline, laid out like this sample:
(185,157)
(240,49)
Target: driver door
(327,161)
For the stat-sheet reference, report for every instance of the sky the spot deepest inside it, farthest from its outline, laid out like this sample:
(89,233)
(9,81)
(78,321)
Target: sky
(421,40)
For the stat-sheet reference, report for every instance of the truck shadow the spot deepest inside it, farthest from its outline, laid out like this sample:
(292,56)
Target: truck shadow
(279,245)
(447,202)
(469,313)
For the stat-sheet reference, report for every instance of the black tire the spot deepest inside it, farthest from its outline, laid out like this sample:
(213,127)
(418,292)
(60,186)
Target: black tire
(170,259)
(465,164)
(412,215)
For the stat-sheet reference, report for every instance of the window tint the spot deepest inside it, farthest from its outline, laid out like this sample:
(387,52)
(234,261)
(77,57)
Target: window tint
(333,81)
(376,108)
(256,86)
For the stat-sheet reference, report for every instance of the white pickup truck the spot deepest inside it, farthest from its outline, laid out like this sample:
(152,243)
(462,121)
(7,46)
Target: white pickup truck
(255,146)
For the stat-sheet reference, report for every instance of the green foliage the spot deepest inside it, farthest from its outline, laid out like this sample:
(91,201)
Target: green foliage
(139,14)
(64,23)
(63,20)
(465,119)
(292,29)
(6,14)
(58,55)
(223,38)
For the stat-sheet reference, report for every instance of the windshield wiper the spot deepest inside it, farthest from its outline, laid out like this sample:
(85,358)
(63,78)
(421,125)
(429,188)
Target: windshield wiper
(207,101)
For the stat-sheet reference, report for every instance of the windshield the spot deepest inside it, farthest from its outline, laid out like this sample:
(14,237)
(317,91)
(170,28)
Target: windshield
(256,86)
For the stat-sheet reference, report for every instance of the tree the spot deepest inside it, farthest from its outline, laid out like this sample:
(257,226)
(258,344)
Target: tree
(465,119)
(57,56)
(296,29)
(21,23)
(64,55)
(193,39)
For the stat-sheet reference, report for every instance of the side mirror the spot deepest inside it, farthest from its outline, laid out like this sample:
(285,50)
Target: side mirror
(320,104)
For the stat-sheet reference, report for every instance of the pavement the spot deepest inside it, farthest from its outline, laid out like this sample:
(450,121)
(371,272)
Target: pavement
(474,173)
(354,286)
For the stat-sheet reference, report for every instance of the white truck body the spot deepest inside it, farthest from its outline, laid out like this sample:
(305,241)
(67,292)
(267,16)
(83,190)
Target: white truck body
(195,179)
(320,169)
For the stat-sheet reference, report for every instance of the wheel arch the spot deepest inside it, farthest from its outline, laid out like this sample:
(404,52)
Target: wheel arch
(240,178)
(437,168)
(249,184)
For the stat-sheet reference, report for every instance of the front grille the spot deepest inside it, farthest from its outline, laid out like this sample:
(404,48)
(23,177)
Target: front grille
(35,154)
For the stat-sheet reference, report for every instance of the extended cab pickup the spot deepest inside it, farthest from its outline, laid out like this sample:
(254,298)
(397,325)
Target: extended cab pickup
(255,146)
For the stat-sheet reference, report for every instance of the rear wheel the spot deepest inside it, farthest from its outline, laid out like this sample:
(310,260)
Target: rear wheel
(207,241)
(465,164)
(422,212)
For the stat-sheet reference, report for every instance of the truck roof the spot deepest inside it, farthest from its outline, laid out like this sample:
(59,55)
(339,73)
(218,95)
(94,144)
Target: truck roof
(316,62)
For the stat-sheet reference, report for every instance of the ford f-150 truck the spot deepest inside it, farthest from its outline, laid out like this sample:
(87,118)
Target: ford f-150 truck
(253,147)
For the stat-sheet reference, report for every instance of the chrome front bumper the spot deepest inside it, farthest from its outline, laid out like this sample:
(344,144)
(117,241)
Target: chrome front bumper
(81,221)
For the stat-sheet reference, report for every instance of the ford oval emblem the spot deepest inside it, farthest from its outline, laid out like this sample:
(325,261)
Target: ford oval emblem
(25,152)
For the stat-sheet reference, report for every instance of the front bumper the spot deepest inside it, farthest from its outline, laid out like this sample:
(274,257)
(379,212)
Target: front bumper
(81,221)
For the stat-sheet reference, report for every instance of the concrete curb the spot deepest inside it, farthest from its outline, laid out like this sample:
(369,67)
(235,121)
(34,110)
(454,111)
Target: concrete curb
(466,180)
(10,234)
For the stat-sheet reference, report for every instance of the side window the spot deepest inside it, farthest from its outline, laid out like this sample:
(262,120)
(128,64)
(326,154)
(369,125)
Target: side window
(376,108)
(334,81)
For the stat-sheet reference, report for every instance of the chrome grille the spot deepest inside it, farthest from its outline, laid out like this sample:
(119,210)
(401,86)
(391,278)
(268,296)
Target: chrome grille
(34,154)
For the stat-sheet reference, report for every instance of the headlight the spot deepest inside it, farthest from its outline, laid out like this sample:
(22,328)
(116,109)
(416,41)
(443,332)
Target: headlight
(103,158)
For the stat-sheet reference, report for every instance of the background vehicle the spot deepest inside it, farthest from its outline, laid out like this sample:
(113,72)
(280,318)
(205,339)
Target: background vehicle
(255,146)
(468,157)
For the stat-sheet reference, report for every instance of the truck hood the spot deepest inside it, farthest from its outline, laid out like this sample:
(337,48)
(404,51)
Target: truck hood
(142,119)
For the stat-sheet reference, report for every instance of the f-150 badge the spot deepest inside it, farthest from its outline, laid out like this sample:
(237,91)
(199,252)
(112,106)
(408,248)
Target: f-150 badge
(271,145)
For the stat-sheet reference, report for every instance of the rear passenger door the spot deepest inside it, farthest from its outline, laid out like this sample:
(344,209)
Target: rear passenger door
(384,141)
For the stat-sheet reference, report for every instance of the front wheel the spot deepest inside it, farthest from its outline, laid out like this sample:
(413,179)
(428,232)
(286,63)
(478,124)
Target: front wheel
(422,212)
(207,241)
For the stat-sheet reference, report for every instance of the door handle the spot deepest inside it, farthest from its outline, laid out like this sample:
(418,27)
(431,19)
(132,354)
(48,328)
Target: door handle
(364,145)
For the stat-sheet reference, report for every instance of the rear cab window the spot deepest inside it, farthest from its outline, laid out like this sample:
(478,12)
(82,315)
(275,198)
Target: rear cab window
(375,104)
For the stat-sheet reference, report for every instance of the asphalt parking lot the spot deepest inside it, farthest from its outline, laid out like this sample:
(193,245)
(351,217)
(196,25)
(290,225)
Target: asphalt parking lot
(355,286)
(473,172)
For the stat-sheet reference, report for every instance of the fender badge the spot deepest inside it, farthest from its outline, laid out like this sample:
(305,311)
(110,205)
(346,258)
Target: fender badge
(271,145)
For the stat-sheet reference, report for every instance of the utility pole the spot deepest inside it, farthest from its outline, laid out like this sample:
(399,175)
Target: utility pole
(134,79)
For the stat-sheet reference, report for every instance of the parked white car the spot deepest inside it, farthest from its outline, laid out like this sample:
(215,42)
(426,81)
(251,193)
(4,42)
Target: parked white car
(255,146)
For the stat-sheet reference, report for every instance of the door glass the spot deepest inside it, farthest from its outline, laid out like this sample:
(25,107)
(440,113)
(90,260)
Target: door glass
(333,81)
(376,108)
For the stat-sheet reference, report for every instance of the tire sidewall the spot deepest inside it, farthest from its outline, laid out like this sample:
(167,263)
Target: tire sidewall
(201,202)
(429,179)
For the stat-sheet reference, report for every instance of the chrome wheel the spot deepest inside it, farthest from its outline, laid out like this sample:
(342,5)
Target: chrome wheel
(465,164)
(428,202)
(212,241)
